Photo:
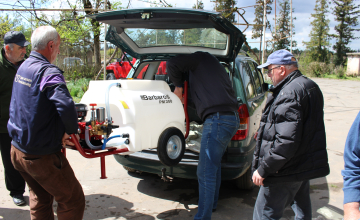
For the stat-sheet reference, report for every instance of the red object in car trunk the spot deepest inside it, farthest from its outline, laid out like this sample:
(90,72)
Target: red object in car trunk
(242,133)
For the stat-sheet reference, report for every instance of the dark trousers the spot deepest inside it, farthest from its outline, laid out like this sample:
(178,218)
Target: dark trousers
(50,177)
(14,182)
(273,198)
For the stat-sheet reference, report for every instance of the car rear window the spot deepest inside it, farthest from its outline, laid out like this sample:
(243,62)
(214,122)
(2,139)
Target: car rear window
(197,37)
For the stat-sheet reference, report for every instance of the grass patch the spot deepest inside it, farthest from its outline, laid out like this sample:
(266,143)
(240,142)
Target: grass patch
(354,78)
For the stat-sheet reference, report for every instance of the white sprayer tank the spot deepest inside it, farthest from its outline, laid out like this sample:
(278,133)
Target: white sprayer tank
(142,108)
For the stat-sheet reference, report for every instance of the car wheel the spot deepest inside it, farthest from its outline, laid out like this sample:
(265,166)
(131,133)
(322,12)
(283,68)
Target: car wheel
(171,146)
(245,182)
(110,76)
(131,170)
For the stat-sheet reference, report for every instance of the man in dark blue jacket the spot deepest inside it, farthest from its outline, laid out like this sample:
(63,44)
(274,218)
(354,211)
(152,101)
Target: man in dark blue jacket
(42,115)
(291,141)
(351,173)
(216,105)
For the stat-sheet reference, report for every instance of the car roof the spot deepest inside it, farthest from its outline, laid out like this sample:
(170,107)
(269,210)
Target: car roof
(226,39)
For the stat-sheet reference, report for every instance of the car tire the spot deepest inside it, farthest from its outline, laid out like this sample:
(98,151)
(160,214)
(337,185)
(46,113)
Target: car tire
(244,181)
(171,146)
(110,76)
(131,170)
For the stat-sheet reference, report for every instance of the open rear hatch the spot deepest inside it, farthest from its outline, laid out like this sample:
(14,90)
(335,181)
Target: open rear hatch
(151,33)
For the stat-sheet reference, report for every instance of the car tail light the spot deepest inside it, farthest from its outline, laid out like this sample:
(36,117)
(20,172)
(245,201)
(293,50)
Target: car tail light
(242,133)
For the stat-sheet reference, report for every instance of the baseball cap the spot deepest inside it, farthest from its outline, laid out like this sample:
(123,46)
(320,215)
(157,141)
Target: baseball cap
(281,57)
(15,37)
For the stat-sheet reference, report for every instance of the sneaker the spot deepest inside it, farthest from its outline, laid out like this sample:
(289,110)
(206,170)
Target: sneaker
(19,200)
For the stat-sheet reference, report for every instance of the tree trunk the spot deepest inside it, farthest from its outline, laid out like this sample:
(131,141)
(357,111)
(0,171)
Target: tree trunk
(107,62)
(97,54)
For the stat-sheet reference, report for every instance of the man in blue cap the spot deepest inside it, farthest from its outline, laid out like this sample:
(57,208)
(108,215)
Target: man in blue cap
(11,57)
(291,141)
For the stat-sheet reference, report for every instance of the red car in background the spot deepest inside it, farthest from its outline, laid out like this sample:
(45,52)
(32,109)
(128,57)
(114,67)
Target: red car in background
(121,68)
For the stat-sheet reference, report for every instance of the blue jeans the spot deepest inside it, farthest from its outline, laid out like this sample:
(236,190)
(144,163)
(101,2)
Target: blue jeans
(217,133)
(273,198)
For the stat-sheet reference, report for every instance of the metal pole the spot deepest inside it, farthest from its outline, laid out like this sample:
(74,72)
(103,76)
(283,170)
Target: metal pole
(291,26)
(105,44)
(197,4)
(264,28)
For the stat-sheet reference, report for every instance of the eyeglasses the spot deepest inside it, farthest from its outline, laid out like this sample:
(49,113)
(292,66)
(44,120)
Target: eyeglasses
(269,71)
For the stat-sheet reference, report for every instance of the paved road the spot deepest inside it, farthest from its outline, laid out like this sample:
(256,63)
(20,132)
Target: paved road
(144,196)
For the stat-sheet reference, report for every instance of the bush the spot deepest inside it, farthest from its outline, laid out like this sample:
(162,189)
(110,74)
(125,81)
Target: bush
(340,71)
(79,72)
(316,69)
(77,88)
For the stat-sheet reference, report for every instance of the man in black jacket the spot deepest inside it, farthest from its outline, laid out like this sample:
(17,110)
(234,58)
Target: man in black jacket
(216,105)
(11,57)
(291,141)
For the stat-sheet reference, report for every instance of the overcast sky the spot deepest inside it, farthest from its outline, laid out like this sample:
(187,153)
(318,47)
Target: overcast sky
(302,11)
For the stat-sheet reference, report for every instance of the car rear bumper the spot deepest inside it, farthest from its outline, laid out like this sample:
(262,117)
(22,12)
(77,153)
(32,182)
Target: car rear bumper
(148,161)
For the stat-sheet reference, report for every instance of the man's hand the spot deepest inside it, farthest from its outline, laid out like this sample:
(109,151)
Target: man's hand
(257,179)
(351,211)
(179,93)
(65,141)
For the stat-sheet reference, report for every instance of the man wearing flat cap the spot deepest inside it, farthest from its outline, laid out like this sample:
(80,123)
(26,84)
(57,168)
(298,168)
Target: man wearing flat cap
(291,142)
(11,57)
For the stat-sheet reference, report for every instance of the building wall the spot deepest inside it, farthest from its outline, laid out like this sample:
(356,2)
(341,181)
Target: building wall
(353,64)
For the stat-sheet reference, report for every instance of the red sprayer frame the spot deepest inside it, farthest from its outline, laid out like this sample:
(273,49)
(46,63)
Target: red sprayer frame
(89,153)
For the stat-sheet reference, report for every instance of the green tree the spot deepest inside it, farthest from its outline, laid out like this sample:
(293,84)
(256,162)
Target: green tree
(283,27)
(257,30)
(7,24)
(319,35)
(259,18)
(346,13)
(76,30)
(95,25)
(200,5)
(224,7)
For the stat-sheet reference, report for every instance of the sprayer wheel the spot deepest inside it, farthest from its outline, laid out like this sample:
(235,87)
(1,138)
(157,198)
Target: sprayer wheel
(171,146)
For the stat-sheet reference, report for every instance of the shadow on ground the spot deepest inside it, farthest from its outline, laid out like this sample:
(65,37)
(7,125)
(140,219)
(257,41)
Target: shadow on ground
(103,206)
(8,214)
(232,201)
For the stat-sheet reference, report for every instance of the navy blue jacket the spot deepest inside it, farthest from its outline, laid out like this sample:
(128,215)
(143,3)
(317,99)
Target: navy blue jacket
(210,85)
(41,108)
(351,173)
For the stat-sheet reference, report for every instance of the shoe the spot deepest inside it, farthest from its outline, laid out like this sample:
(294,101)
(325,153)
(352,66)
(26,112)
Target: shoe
(19,200)
(214,210)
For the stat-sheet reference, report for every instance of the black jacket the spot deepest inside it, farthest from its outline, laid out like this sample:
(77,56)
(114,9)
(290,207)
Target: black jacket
(211,89)
(291,144)
(7,74)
